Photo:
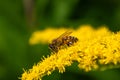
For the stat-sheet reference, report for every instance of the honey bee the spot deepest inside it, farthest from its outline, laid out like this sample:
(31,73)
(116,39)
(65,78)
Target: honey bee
(61,41)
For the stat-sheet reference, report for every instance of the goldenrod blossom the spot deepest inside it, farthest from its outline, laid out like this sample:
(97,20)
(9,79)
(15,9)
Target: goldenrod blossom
(45,36)
(94,49)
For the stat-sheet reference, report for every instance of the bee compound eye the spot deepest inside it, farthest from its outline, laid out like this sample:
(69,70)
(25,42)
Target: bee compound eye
(50,45)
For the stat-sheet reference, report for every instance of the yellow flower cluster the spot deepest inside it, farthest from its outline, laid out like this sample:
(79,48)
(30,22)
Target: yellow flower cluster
(95,48)
(46,35)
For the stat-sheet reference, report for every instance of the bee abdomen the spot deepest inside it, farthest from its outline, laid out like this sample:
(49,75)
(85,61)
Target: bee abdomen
(72,40)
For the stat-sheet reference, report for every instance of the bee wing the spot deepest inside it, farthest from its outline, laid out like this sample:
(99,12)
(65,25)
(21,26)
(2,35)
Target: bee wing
(67,33)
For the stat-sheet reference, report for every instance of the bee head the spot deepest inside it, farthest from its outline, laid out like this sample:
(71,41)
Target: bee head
(51,46)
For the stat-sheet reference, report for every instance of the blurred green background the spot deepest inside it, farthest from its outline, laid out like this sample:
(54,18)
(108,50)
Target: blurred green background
(19,18)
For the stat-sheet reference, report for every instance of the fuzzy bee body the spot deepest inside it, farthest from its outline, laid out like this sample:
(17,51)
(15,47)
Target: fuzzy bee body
(61,41)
